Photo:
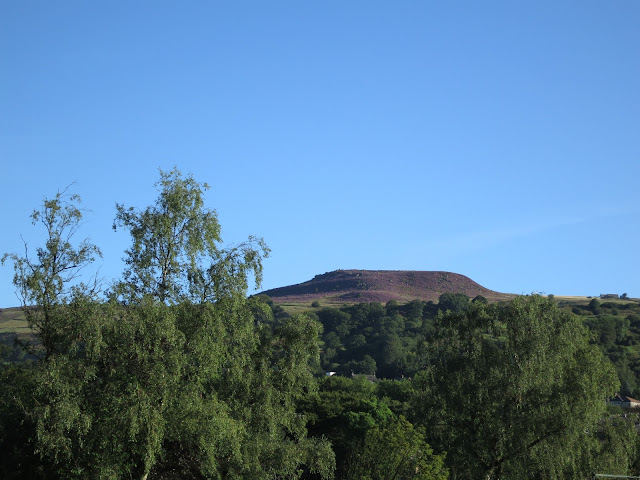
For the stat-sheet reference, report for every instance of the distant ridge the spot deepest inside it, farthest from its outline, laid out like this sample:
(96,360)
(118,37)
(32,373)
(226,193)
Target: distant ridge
(356,286)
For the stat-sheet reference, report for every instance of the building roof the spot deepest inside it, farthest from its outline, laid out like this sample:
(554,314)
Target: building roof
(624,399)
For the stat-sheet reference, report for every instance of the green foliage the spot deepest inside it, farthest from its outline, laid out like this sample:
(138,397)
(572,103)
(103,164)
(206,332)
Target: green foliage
(342,412)
(178,371)
(413,313)
(613,448)
(594,306)
(398,394)
(369,337)
(454,302)
(18,459)
(50,279)
(397,450)
(369,439)
(102,405)
(176,254)
(480,299)
(180,375)
(616,329)
(511,390)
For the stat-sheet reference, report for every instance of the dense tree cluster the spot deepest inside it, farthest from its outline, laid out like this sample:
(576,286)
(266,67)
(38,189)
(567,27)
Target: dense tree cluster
(615,328)
(172,375)
(173,372)
(511,390)
(385,339)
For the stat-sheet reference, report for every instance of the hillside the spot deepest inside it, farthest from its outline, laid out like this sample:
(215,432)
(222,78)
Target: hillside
(12,321)
(357,286)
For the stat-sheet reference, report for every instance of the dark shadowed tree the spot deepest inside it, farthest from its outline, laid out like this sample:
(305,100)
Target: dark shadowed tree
(594,306)
(481,299)
(454,302)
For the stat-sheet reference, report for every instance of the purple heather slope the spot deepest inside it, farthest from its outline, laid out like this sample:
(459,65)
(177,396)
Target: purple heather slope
(355,286)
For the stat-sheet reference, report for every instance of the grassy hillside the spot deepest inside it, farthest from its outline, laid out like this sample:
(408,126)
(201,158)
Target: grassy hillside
(12,321)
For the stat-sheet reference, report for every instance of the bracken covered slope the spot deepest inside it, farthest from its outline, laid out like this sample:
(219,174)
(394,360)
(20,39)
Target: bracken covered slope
(355,286)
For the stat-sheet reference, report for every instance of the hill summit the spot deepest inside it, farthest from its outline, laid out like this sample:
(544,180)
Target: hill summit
(356,286)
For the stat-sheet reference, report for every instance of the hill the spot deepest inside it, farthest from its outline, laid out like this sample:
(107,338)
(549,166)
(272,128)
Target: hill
(360,286)
(12,321)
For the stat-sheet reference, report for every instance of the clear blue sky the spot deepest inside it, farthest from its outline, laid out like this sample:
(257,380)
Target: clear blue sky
(499,140)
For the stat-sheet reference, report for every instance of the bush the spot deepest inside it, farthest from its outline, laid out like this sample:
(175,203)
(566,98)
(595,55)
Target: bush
(481,299)
(455,302)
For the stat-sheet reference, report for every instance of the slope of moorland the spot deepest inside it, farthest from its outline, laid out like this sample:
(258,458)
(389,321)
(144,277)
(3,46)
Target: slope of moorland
(12,321)
(359,286)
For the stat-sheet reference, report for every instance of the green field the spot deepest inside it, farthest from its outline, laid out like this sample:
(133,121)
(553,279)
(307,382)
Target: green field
(12,321)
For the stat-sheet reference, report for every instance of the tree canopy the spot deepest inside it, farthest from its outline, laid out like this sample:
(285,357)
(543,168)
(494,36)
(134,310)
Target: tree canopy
(173,374)
(176,252)
(513,391)
(51,278)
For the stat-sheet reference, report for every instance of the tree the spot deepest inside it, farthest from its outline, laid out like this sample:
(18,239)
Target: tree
(396,451)
(176,253)
(512,391)
(343,411)
(49,280)
(103,407)
(233,411)
(177,371)
(18,458)
(393,355)
(456,302)
(481,299)
(413,312)
(613,448)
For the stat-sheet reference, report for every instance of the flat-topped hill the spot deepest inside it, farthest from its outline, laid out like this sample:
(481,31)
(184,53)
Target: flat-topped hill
(356,286)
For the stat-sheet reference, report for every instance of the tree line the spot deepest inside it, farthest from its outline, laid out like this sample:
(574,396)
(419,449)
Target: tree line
(172,371)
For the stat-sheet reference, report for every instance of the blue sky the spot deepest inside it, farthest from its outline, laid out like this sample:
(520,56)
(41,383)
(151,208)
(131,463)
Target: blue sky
(499,140)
